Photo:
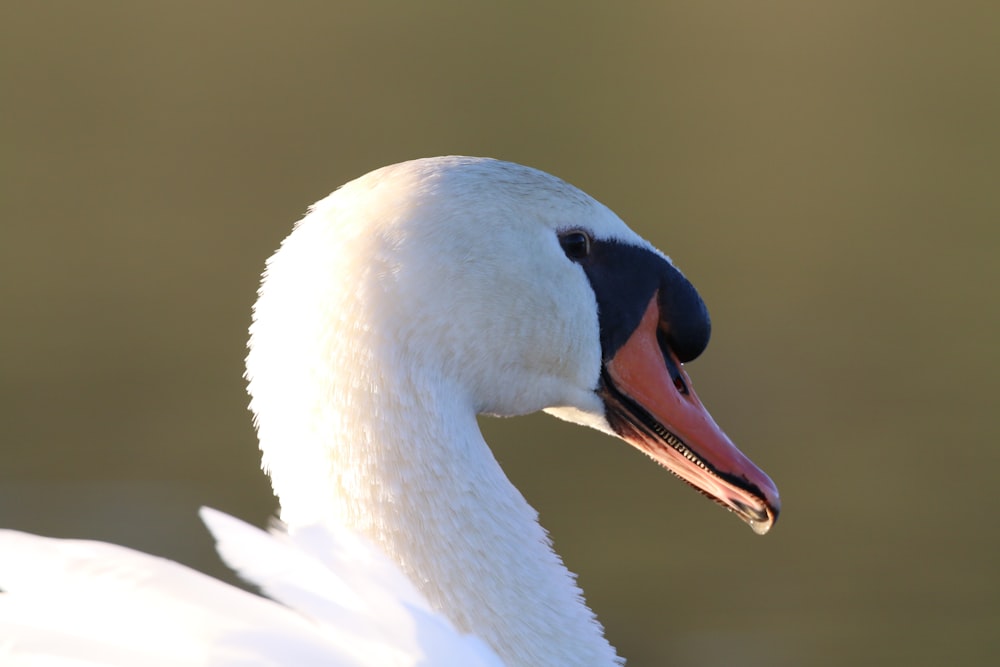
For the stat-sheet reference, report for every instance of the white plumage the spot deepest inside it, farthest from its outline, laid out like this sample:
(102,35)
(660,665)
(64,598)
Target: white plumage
(401,306)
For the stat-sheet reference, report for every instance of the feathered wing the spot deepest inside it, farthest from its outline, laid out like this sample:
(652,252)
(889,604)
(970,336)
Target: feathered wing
(336,601)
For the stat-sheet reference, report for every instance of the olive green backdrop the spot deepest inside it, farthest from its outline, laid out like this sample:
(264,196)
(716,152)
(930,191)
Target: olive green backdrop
(828,175)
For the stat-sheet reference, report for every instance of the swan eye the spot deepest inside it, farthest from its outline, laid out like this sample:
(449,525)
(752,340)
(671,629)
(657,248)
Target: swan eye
(576,244)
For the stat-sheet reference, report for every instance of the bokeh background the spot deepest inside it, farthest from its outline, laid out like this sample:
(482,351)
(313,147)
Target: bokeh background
(827,173)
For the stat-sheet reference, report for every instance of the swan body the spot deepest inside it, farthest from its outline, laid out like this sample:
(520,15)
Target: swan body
(336,601)
(403,305)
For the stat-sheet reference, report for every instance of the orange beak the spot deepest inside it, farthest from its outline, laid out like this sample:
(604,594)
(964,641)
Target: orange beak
(652,405)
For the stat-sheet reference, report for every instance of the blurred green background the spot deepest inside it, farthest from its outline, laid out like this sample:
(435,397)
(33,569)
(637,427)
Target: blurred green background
(828,175)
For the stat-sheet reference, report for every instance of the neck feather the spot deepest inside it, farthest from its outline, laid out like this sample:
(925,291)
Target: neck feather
(405,464)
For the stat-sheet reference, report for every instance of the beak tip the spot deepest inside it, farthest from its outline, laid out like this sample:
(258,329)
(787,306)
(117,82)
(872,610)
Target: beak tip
(773,509)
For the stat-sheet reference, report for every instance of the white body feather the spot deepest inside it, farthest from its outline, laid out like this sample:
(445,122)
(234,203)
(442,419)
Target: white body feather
(76,603)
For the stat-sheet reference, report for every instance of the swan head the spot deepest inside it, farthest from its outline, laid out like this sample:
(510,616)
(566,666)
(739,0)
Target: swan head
(509,290)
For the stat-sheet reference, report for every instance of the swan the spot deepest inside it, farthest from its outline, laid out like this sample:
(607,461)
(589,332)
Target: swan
(401,306)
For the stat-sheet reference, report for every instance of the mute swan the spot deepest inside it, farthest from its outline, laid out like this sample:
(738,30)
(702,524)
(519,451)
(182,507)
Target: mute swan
(402,305)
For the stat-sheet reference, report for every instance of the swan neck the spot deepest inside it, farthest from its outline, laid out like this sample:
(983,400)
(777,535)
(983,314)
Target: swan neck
(409,469)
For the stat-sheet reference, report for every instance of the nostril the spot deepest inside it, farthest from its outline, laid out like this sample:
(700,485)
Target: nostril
(673,366)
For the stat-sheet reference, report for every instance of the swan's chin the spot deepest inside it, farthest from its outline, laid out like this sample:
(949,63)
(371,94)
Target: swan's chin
(650,403)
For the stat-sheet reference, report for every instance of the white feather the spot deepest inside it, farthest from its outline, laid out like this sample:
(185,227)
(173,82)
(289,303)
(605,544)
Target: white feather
(71,602)
(402,305)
